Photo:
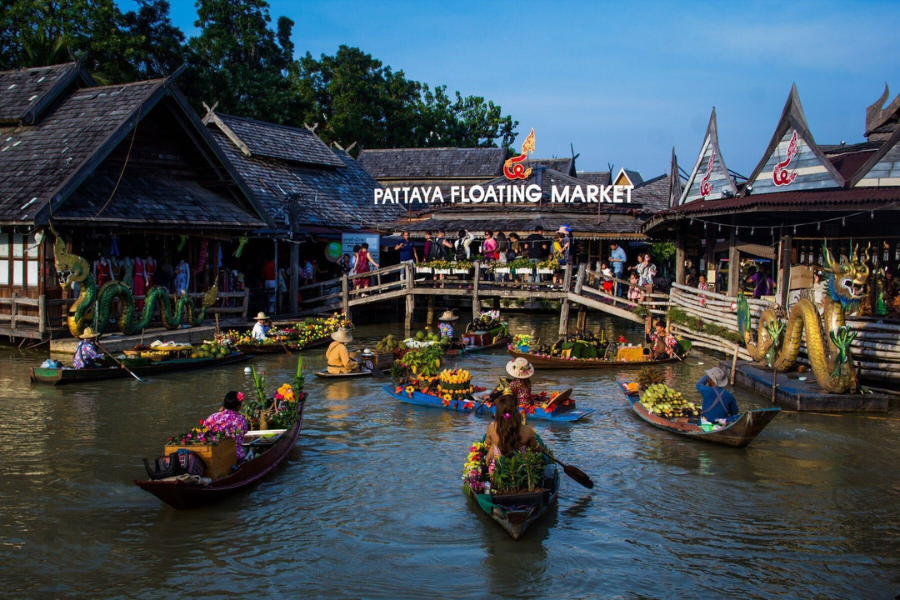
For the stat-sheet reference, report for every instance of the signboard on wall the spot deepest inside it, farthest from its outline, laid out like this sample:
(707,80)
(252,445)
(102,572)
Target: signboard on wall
(348,240)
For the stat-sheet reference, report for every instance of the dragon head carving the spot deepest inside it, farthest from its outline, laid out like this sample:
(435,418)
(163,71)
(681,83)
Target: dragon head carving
(846,280)
(70,268)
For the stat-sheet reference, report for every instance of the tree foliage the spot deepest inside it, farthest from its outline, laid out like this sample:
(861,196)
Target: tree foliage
(241,61)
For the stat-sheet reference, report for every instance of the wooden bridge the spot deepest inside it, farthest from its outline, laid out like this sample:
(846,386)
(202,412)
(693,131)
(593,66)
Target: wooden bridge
(579,286)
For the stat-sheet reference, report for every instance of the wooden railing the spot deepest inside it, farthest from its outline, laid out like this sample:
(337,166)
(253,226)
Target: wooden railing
(16,319)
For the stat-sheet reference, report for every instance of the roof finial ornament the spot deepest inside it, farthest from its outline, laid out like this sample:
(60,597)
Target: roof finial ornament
(878,117)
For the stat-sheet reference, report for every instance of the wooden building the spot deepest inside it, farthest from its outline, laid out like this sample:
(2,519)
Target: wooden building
(801,195)
(127,167)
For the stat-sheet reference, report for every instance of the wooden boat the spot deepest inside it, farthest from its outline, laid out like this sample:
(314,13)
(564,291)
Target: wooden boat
(283,347)
(181,495)
(500,343)
(739,433)
(561,414)
(516,512)
(327,375)
(558,362)
(65,376)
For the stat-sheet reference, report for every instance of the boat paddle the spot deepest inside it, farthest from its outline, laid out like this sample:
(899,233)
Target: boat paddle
(286,349)
(575,473)
(118,362)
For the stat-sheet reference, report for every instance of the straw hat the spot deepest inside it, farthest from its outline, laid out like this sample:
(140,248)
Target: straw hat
(342,335)
(262,316)
(717,376)
(89,334)
(520,368)
(448,316)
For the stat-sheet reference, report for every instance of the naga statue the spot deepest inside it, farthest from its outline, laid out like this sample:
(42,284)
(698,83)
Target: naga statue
(73,269)
(827,338)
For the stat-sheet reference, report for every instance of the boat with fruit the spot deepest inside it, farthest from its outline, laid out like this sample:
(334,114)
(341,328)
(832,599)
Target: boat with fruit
(264,449)
(738,433)
(585,351)
(486,333)
(514,511)
(285,338)
(144,361)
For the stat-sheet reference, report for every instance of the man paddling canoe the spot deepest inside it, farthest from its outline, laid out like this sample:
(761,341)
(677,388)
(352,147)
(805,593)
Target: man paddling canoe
(86,354)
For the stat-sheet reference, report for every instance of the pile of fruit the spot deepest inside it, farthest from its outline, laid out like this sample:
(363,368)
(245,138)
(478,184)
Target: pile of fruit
(582,345)
(426,338)
(389,344)
(486,321)
(660,399)
(455,384)
(211,350)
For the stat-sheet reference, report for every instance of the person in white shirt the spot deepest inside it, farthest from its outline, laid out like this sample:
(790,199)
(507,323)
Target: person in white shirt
(261,328)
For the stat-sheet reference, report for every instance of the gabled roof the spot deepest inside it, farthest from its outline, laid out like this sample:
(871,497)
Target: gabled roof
(565,166)
(594,177)
(25,93)
(882,167)
(652,195)
(882,121)
(676,186)
(433,163)
(793,161)
(270,140)
(342,198)
(710,178)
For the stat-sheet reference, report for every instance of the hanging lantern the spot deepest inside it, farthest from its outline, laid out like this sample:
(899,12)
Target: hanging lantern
(333,251)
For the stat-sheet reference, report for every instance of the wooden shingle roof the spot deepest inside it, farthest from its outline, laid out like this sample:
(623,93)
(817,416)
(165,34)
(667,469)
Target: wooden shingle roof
(332,197)
(594,177)
(563,165)
(270,140)
(24,93)
(433,163)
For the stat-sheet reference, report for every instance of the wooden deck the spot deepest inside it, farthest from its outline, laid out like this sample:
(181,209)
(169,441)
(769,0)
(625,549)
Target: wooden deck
(478,283)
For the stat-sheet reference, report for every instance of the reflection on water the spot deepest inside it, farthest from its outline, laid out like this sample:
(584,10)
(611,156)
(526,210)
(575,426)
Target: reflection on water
(370,502)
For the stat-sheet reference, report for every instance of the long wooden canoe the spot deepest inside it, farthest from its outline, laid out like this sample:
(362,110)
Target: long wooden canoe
(327,375)
(558,362)
(66,376)
(739,433)
(283,347)
(561,414)
(183,495)
(515,513)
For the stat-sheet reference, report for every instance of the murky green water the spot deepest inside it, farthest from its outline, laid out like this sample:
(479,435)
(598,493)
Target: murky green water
(370,502)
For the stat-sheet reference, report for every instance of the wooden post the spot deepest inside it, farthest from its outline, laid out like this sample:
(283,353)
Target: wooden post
(679,252)
(711,278)
(410,312)
(294,287)
(476,303)
(345,296)
(13,309)
(42,314)
(277,293)
(567,279)
(737,347)
(734,265)
(246,303)
(429,317)
(784,270)
(581,319)
(579,280)
(564,317)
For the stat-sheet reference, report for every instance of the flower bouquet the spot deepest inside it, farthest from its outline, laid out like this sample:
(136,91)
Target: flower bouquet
(475,472)
(282,409)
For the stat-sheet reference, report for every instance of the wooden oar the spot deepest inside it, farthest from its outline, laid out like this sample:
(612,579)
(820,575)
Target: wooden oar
(575,473)
(286,349)
(118,362)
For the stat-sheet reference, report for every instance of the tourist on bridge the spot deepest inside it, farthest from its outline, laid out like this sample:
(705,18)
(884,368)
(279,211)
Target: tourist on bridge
(363,261)
(408,255)
(261,328)
(718,403)
(440,247)
(462,247)
(230,421)
(506,433)
(617,259)
(86,354)
(337,355)
(646,271)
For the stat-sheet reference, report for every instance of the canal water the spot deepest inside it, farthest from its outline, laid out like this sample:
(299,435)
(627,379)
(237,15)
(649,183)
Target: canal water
(370,502)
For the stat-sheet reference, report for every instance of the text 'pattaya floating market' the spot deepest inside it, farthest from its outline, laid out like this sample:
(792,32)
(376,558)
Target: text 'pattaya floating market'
(507,192)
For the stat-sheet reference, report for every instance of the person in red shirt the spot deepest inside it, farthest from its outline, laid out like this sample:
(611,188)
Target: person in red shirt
(270,284)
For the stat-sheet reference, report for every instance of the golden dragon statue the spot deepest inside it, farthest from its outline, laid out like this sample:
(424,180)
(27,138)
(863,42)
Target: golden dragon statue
(73,269)
(828,337)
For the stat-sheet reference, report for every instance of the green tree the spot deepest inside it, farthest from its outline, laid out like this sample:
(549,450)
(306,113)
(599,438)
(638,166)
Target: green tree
(159,45)
(239,62)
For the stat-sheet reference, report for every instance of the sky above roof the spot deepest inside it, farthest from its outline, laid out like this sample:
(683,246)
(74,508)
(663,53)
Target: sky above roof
(623,83)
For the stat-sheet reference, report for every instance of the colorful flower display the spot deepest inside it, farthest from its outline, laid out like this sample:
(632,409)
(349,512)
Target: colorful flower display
(475,473)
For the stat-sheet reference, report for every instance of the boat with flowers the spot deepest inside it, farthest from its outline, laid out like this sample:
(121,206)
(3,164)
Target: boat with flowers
(515,491)
(143,367)
(737,433)
(275,423)
(584,350)
(311,333)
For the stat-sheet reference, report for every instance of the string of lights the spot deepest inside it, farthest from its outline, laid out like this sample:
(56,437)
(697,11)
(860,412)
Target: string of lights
(817,223)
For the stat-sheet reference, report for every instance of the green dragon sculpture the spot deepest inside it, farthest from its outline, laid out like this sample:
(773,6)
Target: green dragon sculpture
(828,338)
(72,269)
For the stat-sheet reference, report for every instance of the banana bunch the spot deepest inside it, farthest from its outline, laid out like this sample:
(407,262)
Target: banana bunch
(660,399)
(388,344)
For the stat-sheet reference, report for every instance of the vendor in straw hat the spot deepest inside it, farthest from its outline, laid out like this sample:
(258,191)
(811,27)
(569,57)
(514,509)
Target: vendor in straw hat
(86,354)
(337,355)
(446,325)
(521,370)
(718,403)
(262,326)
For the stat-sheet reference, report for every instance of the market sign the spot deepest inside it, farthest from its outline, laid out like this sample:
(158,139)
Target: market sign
(514,169)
